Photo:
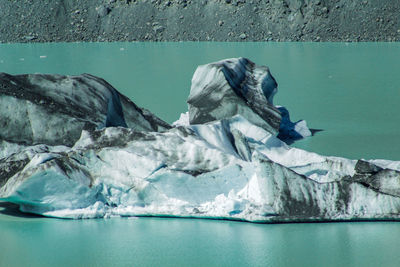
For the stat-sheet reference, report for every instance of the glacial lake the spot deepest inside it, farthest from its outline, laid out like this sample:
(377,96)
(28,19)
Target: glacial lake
(351,91)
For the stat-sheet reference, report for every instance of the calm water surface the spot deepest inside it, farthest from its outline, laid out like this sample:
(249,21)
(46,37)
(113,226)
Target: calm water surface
(184,242)
(352,91)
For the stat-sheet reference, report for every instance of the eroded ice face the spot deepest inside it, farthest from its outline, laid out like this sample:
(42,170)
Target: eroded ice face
(231,87)
(269,86)
(247,78)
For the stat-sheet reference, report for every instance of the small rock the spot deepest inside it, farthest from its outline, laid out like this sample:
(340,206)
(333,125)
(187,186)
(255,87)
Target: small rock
(220,23)
(243,36)
(30,37)
(158,29)
(103,11)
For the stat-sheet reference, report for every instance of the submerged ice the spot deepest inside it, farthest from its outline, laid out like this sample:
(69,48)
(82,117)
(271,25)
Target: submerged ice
(224,158)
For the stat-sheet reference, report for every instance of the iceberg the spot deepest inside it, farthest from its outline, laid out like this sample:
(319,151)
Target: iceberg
(226,158)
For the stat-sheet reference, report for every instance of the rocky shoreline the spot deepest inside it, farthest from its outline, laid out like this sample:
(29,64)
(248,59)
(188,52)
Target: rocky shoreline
(198,20)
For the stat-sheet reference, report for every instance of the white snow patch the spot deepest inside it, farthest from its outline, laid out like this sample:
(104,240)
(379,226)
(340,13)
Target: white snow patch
(183,120)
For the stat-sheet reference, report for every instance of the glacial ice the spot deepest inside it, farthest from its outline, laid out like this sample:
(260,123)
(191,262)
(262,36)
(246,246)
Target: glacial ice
(54,109)
(222,160)
(231,87)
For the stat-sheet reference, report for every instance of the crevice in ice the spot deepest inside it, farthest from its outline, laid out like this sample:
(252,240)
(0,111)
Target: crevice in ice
(115,115)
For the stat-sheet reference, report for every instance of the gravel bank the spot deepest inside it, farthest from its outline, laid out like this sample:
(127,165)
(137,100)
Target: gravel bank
(199,20)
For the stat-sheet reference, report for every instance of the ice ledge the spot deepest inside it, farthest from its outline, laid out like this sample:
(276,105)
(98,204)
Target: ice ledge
(184,172)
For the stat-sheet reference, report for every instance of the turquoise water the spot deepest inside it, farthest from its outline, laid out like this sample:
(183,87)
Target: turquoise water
(352,91)
(184,242)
